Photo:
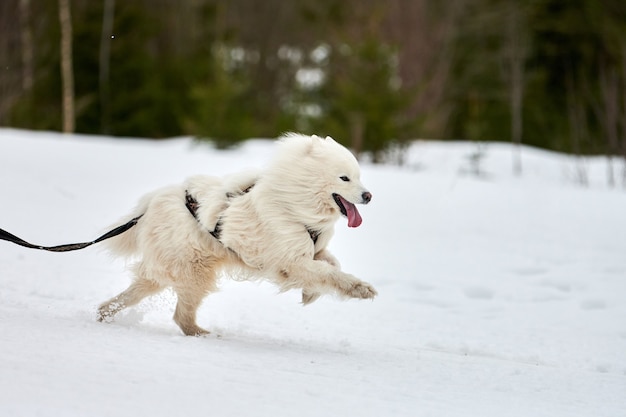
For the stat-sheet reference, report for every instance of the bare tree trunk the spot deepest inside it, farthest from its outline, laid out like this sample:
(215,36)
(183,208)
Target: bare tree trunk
(26,38)
(578,127)
(622,116)
(67,72)
(515,54)
(516,112)
(10,71)
(516,122)
(425,58)
(357,132)
(105,64)
(606,106)
(609,87)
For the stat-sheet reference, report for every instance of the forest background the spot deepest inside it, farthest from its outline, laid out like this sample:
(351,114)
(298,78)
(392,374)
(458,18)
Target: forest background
(374,74)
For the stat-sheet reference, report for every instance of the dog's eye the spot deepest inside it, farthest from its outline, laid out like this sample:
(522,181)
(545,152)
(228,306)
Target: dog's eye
(344,178)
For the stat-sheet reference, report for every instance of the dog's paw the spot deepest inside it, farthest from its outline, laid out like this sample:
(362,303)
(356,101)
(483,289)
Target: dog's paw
(194,330)
(104,315)
(309,297)
(362,290)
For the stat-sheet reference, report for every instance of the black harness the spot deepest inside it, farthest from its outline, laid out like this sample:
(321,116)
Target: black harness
(192,205)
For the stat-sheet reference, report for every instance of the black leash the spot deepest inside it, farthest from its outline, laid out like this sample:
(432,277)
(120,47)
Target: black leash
(4,235)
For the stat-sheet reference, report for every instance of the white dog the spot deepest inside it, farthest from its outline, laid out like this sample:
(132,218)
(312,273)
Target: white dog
(274,225)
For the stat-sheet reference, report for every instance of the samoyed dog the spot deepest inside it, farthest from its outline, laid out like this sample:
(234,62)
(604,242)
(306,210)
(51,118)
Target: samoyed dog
(274,224)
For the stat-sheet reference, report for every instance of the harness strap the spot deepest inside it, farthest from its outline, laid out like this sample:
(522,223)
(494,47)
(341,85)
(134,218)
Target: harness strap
(192,205)
(314,234)
(4,235)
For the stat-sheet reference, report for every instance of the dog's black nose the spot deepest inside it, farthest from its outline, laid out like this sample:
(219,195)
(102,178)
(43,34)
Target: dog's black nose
(367,197)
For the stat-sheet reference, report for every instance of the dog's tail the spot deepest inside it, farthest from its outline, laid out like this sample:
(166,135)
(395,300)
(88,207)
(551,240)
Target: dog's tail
(126,244)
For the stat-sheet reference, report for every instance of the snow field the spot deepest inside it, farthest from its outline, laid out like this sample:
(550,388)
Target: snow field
(499,295)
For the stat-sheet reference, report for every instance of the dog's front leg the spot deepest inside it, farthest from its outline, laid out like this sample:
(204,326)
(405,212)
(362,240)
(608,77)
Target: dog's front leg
(325,255)
(322,277)
(310,295)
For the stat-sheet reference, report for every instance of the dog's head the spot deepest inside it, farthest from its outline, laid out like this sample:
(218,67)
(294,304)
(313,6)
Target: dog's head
(328,171)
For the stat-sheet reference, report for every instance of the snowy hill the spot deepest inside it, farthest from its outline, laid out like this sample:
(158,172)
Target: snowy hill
(499,296)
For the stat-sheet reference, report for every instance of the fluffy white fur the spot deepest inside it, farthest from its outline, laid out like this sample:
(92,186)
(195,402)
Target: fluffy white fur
(264,231)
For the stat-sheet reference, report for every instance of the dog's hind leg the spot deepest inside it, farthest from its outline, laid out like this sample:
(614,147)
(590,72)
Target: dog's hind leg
(138,290)
(189,300)
(198,283)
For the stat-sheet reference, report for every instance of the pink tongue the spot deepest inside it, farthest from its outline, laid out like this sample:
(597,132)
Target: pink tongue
(354,218)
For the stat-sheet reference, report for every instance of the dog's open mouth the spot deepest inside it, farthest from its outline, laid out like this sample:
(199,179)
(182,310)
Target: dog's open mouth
(349,210)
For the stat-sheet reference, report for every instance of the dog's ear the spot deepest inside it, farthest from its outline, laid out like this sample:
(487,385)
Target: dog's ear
(316,140)
(314,144)
(327,138)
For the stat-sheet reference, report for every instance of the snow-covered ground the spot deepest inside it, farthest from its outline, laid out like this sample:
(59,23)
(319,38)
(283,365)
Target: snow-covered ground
(498,295)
